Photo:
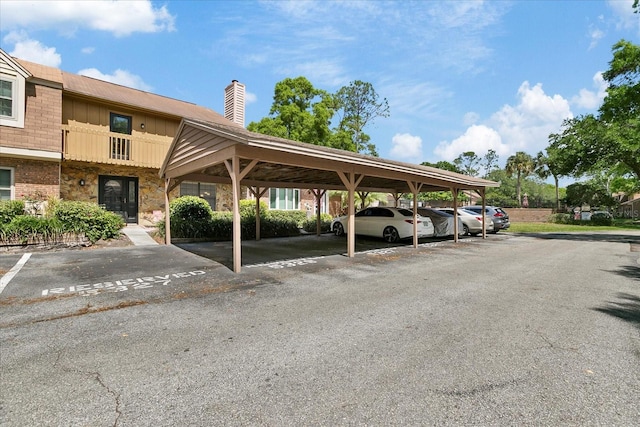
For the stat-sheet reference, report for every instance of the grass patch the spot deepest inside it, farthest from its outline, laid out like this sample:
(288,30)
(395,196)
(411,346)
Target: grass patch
(548,227)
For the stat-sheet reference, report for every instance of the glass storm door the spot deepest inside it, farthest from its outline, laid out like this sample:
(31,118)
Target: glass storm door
(119,194)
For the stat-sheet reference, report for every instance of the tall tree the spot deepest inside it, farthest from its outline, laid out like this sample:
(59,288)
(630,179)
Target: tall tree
(360,105)
(444,165)
(489,162)
(549,165)
(468,162)
(299,112)
(612,137)
(522,165)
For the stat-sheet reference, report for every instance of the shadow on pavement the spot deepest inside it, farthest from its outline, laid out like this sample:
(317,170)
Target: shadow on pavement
(627,308)
(286,248)
(589,237)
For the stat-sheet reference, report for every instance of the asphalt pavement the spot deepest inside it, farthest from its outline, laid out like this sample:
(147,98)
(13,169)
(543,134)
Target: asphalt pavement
(512,330)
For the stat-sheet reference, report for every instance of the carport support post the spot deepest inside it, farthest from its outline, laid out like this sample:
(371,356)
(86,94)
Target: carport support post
(351,183)
(257,193)
(454,193)
(167,213)
(318,194)
(415,189)
(234,172)
(484,208)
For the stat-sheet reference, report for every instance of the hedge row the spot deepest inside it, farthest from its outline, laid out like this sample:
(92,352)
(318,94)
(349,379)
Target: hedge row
(563,218)
(192,217)
(64,222)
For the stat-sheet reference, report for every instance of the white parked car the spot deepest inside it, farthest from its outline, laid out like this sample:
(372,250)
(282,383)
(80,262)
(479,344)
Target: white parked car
(392,224)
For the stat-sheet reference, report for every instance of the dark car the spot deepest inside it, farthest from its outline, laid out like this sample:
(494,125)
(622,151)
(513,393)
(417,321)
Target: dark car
(498,215)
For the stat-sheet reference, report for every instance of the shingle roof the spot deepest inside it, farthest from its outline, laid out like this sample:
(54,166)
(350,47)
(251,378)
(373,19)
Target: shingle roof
(114,93)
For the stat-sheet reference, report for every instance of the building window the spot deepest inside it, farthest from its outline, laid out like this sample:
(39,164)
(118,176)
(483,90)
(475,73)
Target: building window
(284,198)
(6,184)
(204,190)
(12,101)
(120,146)
(6,98)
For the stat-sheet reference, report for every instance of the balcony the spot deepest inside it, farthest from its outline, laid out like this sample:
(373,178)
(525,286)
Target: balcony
(87,143)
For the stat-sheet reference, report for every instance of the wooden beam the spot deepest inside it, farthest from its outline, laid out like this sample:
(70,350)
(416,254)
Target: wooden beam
(167,212)
(454,193)
(233,166)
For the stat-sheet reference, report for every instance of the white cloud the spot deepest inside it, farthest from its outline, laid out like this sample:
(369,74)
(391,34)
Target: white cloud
(406,146)
(624,12)
(121,77)
(250,98)
(121,18)
(88,50)
(470,118)
(595,34)
(477,138)
(591,100)
(523,127)
(526,127)
(32,50)
(321,73)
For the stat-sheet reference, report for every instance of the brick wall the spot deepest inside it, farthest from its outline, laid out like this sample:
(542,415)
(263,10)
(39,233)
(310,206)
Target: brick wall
(33,177)
(43,117)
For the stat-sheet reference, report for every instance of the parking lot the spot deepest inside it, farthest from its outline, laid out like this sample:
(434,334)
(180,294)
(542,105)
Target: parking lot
(526,330)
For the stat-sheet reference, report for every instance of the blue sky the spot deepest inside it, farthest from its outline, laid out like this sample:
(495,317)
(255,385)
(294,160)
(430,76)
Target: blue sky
(459,76)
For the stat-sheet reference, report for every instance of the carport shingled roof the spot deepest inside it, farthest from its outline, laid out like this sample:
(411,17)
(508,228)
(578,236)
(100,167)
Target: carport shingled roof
(200,148)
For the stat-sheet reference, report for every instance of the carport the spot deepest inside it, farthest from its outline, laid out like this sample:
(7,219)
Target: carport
(229,154)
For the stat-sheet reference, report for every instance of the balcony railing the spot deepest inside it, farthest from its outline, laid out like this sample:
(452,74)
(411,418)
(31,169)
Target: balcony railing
(86,143)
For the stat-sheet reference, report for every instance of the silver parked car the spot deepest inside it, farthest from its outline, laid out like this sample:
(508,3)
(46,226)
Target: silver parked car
(471,221)
(499,217)
(392,224)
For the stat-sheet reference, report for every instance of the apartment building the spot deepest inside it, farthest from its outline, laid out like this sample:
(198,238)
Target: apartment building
(79,138)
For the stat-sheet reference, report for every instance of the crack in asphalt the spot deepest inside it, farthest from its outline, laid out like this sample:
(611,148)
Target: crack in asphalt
(98,378)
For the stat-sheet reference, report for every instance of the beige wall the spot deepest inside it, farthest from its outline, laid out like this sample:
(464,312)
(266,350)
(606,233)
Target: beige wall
(89,112)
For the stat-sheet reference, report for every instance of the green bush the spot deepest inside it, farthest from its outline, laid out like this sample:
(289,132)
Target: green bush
(88,219)
(310,224)
(190,208)
(10,209)
(561,218)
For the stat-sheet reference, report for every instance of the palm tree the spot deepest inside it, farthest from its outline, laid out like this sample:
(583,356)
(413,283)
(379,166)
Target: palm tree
(545,166)
(522,165)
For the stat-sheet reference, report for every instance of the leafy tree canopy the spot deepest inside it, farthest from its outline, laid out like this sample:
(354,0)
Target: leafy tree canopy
(610,139)
(304,113)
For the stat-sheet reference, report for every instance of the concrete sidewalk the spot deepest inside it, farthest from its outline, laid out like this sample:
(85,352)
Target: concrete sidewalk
(138,235)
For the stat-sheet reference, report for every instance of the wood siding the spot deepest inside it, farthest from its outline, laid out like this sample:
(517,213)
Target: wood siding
(87,143)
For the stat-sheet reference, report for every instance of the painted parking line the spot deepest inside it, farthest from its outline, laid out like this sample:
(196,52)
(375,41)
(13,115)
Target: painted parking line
(4,280)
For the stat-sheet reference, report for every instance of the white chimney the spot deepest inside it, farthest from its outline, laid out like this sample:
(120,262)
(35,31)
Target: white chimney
(234,102)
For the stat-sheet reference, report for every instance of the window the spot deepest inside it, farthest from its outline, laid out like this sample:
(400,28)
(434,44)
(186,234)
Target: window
(6,98)
(284,198)
(12,101)
(201,189)
(120,123)
(6,184)
(120,147)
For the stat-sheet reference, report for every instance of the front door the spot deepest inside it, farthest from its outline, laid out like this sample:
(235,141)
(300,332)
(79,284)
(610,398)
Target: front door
(119,194)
